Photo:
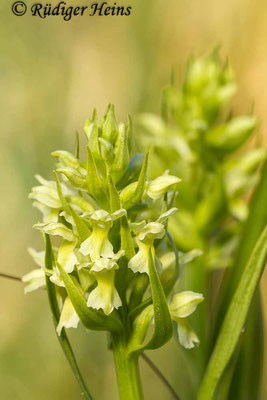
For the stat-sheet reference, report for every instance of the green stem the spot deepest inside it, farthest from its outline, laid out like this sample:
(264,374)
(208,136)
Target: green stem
(127,369)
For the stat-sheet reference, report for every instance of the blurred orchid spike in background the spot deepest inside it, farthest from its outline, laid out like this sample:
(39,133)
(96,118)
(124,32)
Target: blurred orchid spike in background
(200,139)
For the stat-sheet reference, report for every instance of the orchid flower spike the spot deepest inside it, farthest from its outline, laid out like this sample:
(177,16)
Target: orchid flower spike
(101,223)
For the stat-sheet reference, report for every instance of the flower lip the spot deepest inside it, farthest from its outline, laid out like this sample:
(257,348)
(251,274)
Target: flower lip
(103,216)
(153,230)
(107,263)
(104,263)
(163,217)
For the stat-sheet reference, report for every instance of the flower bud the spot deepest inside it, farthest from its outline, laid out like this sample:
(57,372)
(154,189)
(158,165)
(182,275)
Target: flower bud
(75,179)
(184,304)
(68,160)
(68,317)
(121,152)
(158,187)
(94,182)
(133,171)
(106,150)
(200,73)
(92,137)
(110,128)
(134,192)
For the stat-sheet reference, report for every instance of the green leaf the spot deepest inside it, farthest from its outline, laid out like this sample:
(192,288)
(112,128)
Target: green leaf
(163,327)
(93,180)
(63,338)
(75,179)
(90,318)
(252,347)
(235,319)
(222,391)
(126,239)
(82,229)
(138,289)
(133,193)
(115,203)
(129,132)
(77,145)
(60,193)
(121,152)
(110,128)
(254,225)
(246,382)
(133,171)
(92,134)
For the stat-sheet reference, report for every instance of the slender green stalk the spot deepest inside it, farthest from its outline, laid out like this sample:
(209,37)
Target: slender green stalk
(235,319)
(7,276)
(127,370)
(160,376)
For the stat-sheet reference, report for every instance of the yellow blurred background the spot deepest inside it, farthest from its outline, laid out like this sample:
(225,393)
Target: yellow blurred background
(53,73)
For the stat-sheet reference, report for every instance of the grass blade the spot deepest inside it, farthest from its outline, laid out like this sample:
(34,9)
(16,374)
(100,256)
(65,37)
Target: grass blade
(235,318)
(246,382)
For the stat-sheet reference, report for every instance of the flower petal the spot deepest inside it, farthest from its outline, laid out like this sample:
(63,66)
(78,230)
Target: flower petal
(184,304)
(99,215)
(167,214)
(153,230)
(190,256)
(187,336)
(167,260)
(136,227)
(104,263)
(34,280)
(49,214)
(56,278)
(139,263)
(105,295)
(45,195)
(38,256)
(66,256)
(97,245)
(86,279)
(56,229)
(68,317)
(118,214)
(159,186)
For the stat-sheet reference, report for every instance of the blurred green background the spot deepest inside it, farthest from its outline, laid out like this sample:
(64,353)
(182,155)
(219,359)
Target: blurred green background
(52,75)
